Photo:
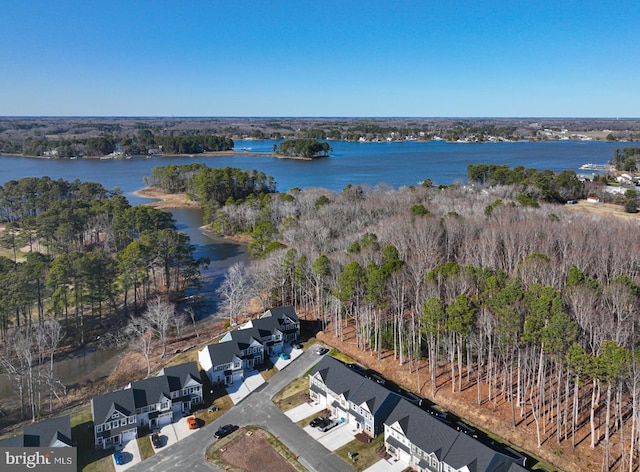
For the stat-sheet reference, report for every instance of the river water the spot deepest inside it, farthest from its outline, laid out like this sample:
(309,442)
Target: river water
(396,164)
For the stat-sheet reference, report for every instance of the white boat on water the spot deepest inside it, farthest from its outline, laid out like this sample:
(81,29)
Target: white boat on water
(594,166)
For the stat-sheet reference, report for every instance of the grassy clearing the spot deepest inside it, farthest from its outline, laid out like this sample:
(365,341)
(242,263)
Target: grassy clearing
(343,357)
(366,453)
(294,394)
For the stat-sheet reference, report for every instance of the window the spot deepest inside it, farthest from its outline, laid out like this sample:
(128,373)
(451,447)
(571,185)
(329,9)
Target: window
(164,406)
(115,415)
(114,424)
(107,426)
(132,419)
(99,428)
(123,422)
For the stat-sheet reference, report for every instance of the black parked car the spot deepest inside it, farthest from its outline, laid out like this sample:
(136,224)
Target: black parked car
(317,421)
(225,430)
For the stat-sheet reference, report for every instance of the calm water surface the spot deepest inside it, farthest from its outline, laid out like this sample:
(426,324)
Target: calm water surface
(397,164)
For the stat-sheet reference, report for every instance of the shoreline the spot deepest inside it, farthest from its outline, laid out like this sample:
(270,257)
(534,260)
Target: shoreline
(167,201)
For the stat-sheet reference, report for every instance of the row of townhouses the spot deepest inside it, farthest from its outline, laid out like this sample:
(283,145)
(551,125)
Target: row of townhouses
(411,435)
(157,401)
(245,348)
(149,403)
(54,432)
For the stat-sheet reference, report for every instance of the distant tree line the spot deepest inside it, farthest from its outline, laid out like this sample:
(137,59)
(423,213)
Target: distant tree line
(307,148)
(533,184)
(144,141)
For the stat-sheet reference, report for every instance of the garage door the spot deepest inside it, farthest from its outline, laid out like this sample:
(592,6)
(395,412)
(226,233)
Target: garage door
(165,419)
(128,435)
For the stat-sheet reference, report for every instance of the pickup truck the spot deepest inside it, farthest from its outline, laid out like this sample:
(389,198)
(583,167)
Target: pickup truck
(329,424)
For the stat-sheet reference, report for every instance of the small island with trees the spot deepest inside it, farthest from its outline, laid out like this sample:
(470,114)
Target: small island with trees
(302,149)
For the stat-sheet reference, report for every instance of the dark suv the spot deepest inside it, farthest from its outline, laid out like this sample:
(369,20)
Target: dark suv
(225,430)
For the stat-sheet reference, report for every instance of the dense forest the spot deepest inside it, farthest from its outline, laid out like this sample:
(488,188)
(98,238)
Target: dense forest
(530,305)
(92,264)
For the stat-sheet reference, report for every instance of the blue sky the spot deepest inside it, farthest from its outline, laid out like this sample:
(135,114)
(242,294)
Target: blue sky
(323,58)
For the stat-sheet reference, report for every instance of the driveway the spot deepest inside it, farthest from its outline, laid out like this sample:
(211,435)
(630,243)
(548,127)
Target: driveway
(131,455)
(240,390)
(280,363)
(334,438)
(304,411)
(256,410)
(174,432)
(387,466)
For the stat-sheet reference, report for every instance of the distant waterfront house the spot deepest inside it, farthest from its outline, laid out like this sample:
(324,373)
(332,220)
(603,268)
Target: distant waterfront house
(148,403)
(359,400)
(245,348)
(419,440)
(54,432)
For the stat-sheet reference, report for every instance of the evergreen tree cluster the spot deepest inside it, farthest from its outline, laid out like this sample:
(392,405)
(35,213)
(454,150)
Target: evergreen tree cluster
(89,253)
(535,185)
(307,148)
(626,159)
(211,186)
(141,143)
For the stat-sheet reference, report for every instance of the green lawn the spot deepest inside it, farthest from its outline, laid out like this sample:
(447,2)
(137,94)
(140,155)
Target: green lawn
(366,453)
(145,446)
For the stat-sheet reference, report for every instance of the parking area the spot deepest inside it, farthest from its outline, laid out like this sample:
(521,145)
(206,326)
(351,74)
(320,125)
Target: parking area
(304,411)
(387,466)
(334,438)
(174,432)
(281,363)
(239,390)
(130,455)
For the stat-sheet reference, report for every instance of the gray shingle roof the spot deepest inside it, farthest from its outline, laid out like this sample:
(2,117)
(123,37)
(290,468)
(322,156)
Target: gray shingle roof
(46,433)
(282,313)
(337,377)
(103,406)
(223,353)
(422,429)
(450,446)
(150,391)
(180,375)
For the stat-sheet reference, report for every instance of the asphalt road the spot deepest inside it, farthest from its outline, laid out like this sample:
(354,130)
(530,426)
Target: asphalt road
(257,409)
